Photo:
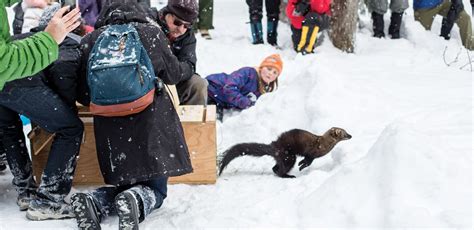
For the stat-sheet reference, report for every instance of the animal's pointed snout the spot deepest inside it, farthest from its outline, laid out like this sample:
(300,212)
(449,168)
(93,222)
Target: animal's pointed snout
(349,136)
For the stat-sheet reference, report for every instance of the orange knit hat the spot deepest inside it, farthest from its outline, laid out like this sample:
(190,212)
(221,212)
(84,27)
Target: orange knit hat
(273,60)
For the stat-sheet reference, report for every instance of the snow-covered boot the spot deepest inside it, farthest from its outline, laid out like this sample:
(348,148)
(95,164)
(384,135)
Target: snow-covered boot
(272,26)
(88,215)
(24,198)
(378,25)
(133,205)
(395,23)
(41,209)
(257,33)
(3,160)
(128,210)
(446,29)
(3,166)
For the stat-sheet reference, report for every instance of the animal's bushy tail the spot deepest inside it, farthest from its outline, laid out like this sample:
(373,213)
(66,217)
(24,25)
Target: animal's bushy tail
(251,149)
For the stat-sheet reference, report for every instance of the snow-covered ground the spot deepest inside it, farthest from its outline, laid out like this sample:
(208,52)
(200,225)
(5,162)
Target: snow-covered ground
(408,165)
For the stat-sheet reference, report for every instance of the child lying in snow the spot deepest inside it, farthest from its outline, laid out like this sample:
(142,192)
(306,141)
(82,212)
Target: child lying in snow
(241,89)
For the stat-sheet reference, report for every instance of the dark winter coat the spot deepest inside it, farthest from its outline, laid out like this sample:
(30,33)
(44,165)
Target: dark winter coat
(151,143)
(318,6)
(18,21)
(61,75)
(231,90)
(183,47)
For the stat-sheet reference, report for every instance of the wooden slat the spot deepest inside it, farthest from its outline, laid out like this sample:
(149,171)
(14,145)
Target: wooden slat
(191,113)
(201,141)
(210,113)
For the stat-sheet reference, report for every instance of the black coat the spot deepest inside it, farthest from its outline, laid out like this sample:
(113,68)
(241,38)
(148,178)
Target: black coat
(183,47)
(18,21)
(151,143)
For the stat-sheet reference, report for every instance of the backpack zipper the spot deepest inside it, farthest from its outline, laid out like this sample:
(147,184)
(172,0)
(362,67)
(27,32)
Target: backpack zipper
(140,77)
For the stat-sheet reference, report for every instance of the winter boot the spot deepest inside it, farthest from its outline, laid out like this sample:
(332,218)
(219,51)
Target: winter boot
(41,209)
(87,213)
(378,25)
(446,29)
(3,161)
(205,34)
(133,205)
(257,33)
(395,23)
(272,25)
(24,198)
(3,166)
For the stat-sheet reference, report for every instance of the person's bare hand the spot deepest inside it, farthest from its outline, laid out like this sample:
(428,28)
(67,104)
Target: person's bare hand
(60,25)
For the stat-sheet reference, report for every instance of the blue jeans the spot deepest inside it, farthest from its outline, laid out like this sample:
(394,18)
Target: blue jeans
(105,196)
(46,109)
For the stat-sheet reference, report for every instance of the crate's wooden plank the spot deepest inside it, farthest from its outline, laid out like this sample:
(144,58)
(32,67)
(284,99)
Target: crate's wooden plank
(191,113)
(201,141)
(211,113)
(88,169)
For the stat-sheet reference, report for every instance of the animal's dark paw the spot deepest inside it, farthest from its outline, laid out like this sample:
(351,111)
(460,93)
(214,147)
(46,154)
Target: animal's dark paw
(302,166)
(300,163)
(288,176)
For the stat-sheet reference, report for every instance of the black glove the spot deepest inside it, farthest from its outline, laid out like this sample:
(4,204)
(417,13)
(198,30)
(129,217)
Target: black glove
(301,8)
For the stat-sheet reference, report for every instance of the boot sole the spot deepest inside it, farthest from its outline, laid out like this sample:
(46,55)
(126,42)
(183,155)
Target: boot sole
(127,210)
(37,216)
(85,212)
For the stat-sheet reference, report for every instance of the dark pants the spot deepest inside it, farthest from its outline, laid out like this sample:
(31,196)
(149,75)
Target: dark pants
(46,109)
(106,195)
(206,9)
(192,91)
(256,6)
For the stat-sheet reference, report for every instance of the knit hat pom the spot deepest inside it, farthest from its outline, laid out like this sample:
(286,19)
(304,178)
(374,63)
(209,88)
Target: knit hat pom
(274,61)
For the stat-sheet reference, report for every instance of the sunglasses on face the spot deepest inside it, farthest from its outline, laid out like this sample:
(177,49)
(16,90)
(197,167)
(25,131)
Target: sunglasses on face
(179,23)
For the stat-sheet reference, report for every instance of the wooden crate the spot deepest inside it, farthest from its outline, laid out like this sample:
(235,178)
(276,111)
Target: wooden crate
(199,129)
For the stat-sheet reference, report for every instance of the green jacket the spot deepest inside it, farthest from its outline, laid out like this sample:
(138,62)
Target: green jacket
(23,58)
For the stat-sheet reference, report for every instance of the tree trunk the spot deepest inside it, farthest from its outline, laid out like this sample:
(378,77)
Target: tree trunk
(343,24)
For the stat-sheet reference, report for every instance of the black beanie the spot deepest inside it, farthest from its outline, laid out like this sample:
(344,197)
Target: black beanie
(186,10)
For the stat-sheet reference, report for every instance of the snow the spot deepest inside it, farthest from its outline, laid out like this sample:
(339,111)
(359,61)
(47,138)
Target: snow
(408,165)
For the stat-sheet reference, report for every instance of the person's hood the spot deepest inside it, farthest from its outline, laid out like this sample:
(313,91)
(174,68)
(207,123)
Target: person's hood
(118,13)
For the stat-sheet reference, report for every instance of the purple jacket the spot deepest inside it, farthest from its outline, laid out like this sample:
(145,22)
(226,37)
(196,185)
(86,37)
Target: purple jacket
(231,90)
(89,11)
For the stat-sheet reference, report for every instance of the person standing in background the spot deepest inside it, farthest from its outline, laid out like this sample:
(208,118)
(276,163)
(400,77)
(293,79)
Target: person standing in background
(379,8)
(273,13)
(204,23)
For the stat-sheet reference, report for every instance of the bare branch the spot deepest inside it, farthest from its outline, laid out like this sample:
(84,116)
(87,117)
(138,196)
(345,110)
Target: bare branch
(456,59)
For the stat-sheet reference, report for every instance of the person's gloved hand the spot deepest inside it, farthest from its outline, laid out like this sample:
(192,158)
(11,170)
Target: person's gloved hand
(252,97)
(301,8)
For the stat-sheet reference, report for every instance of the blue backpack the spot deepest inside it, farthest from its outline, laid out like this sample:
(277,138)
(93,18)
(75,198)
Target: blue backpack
(120,74)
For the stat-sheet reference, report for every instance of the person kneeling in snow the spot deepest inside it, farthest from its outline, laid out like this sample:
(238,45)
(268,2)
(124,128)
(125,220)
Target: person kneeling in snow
(137,152)
(307,17)
(241,89)
(426,10)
